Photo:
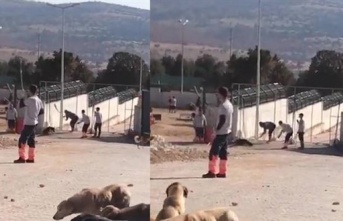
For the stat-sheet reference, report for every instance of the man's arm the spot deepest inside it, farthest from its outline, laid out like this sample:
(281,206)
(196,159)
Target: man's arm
(205,121)
(222,119)
(22,103)
(264,131)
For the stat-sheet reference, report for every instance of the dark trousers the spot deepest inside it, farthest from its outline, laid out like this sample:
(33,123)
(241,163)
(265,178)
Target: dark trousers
(97,129)
(28,136)
(288,137)
(301,138)
(85,128)
(11,124)
(219,147)
(72,123)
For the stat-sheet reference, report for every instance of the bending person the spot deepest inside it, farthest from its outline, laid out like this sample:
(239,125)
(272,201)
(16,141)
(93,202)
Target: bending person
(267,126)
(74,118)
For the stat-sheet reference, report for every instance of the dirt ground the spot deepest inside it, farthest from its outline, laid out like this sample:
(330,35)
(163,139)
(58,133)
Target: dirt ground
(65,165)
(264,183)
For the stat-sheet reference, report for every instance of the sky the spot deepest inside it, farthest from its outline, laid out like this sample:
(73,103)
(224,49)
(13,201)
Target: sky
(144,4)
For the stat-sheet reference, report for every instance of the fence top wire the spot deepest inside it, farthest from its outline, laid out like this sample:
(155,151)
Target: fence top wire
(338,96)
(312,95)
(269,90)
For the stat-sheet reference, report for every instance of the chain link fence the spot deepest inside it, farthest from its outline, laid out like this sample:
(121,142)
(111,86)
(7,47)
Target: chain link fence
(321,107)
(116,103)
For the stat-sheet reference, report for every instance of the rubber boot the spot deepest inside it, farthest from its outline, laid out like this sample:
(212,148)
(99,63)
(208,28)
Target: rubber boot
(31,158)
(222,169)
(21,153)
(212,168)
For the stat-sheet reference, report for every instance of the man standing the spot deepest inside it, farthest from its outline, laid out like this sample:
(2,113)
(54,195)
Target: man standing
(267,126)
(86,122)
(301,131)
(98,123)
(223,133)
(11,116)
(173,104)
(33,108)
(286,128)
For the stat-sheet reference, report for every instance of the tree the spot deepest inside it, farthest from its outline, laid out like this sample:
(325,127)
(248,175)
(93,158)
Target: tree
(123,68)
(49,69)
(273,70)
(326,70)
(156,67)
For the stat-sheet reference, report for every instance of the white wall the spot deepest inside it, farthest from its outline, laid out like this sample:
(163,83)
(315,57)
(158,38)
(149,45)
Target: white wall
(112,112)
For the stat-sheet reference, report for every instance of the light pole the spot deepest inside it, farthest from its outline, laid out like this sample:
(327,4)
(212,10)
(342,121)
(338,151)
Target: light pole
(183,23)
(258,72)
(63,8)
(141,75)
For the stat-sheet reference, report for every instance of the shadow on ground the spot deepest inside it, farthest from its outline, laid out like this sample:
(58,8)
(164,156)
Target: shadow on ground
(324,150)
(175,178)
(107,138)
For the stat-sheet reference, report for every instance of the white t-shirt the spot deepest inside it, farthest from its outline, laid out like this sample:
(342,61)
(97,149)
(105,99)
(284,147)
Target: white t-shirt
(226,109)
(173,102)
(33,105)
(11,114)
(98,117)
(85,119)
(286,128)
(301,125)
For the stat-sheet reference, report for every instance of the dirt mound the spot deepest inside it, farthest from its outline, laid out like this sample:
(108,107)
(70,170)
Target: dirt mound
(162,155)
(6,142)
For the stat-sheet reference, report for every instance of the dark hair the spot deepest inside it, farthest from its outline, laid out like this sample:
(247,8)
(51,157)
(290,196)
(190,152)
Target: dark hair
(301,114)
(33,89)
(223,91)
(83,111)
(280,122)
(98,108)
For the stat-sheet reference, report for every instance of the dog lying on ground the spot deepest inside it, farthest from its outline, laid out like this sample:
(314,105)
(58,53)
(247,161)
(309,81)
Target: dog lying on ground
(174,204)
(48,131)
(140,212)
(215,214)
(242,142)
(146,139)
(91,201)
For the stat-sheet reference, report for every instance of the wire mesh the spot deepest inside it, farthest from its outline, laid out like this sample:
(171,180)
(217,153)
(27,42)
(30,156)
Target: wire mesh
(332,100)
(303,99)
(100,95)
(71,89)
(126,95)
(246,97)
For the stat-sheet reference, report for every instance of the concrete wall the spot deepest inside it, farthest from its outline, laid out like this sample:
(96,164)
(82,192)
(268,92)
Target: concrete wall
(112,112)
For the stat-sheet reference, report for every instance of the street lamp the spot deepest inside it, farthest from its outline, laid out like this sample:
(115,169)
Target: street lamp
(183,23)
(63,8)
(258,72)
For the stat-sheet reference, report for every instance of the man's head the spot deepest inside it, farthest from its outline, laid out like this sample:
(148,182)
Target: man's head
(301,115)
(280,122)
(261,124)
(222,94)
(33,89)
(83,111)
(97,109)
(200,111)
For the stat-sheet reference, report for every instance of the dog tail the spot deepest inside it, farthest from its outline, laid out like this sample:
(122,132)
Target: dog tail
(137,139)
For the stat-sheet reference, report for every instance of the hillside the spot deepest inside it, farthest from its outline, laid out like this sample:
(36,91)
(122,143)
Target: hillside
(295,29)
(94,30)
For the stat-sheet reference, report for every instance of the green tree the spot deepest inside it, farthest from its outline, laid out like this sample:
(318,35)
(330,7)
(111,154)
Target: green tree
(123,68)
(156,67)
(49,69)
(326,70)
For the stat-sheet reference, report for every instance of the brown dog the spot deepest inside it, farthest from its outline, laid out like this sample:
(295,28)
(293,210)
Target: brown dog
(140,212)
(215,214)
(115,195)
(174,204)
(91,201)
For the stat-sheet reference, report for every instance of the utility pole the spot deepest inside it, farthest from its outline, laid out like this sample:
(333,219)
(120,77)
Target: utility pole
(38,44)
(231,41)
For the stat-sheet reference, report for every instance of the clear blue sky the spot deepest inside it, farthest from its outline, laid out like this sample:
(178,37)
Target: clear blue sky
(144,4)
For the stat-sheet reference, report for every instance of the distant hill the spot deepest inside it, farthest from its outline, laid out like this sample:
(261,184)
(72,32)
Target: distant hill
(94,30)
(295,29)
